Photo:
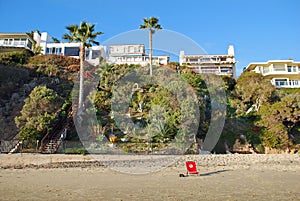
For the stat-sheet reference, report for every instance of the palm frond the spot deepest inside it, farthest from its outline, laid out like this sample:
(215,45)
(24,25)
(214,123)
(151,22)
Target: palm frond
(151,24)
(82,33)
(143,27)
(68,37)
(157,27)
(153,21)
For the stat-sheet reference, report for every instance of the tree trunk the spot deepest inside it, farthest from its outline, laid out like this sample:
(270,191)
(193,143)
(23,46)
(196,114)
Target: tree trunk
(150,44)
(81,77)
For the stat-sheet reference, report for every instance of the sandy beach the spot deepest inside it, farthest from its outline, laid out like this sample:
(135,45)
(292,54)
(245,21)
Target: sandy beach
(113,177)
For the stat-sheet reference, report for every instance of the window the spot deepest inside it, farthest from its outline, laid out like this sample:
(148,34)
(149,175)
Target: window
(131,49)
(278,67)
(47,50)
(281,82)
(205,59)
(265,69)
(29,44)
(58,51)
(23,41)
(87,53)
(8,41)
(292,69)
(294,82)
(72,51)
(193,60)
(96,54)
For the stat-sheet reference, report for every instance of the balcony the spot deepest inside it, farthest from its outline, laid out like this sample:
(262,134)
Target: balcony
(279,72)
(21,44)
(287,84)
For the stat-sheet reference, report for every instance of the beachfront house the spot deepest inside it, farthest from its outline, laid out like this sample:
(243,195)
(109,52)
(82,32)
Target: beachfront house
(282,73)
(134,54)
(16,41)
(219,64)
(50,46)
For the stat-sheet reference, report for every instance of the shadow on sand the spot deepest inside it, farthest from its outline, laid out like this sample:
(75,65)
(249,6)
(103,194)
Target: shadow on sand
(212,173)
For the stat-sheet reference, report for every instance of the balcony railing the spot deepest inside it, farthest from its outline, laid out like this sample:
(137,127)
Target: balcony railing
(14,44)
(285,84)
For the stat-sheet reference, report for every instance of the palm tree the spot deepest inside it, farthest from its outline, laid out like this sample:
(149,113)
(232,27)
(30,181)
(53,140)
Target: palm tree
(151,24)
(84,33)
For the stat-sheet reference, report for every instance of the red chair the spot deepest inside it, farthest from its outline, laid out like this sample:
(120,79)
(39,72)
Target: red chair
(191,167)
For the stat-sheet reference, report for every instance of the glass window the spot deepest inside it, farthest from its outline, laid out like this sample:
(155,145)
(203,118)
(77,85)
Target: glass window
(292,69)
(96,54)
(29,44)
(279,67)
(58,51)
(265,69)
(47,50)
(193,60)
(72,51)
(280,82)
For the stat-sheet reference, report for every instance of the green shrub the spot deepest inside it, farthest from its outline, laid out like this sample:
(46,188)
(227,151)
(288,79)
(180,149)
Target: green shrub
(48,70)
(38,114)
(53,60)
(14,58)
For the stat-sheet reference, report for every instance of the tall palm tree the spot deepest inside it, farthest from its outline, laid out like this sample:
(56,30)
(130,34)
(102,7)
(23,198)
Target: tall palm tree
(151,24)
(84,33)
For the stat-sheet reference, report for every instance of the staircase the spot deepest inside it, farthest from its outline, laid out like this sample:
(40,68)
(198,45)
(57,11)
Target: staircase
(51,141)
(51,147)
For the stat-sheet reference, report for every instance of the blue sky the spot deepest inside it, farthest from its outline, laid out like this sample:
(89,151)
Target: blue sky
(260,30)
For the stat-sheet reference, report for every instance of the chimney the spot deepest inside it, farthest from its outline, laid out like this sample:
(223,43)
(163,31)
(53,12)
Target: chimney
(231,50)
(181,57)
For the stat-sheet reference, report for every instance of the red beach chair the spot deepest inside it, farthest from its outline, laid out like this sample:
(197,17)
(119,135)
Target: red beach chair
(191,167)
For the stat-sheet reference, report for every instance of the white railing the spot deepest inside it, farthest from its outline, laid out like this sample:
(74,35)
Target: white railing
(14,44)
(285,84)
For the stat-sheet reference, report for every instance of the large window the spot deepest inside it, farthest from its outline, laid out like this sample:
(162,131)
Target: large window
(294,82)
(193,60)
(278,67)
(292,69)
(266,69)
(29,44)
(96,54)
(8,41)
(53,50)
(72,51)
(281,82)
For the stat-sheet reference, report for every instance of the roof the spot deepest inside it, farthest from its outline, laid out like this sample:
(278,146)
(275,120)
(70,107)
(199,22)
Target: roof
(16,34)
(130,55)
(208,55)
(252,65)
(125,44)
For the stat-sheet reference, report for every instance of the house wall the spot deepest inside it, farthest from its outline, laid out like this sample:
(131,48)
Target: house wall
(18,40)
(133,54)
(213,64)
(282,73)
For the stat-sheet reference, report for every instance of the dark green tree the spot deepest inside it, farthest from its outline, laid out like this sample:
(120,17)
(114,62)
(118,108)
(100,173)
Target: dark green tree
(252,91)
(38,113)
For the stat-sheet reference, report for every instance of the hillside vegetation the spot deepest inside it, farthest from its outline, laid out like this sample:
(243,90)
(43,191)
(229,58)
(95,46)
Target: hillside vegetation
(36,90)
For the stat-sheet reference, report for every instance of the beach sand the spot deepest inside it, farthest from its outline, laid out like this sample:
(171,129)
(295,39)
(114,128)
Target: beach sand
(222,177)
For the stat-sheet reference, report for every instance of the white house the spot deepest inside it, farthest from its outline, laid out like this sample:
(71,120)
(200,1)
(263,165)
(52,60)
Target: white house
(282,73)
(93,53)
(16,41)
(134,54)
(219,64)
